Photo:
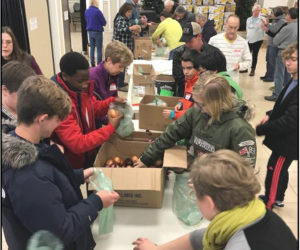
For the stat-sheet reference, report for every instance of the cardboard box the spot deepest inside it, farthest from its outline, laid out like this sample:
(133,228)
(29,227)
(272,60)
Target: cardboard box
(163,81)
(208,2)
(142,48)
(143,79)
(152,28)
(151,116)
(138,187)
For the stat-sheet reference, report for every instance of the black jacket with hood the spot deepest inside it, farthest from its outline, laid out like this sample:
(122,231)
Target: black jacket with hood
(40,191)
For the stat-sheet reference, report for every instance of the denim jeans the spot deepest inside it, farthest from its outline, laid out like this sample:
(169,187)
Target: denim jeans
(281,76)
(96,40)
(271,62)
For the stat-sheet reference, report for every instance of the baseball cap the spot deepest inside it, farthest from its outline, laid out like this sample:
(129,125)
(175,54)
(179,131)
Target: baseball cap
(189,31)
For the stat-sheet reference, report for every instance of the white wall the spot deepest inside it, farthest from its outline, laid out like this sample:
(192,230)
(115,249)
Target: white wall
(274,3)
(56,25)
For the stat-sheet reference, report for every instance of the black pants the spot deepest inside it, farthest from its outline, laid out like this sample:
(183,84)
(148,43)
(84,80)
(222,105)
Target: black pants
(254,48)
(277,178)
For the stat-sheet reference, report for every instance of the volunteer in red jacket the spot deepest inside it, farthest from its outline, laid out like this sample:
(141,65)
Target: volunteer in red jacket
(190,70)
(78,133)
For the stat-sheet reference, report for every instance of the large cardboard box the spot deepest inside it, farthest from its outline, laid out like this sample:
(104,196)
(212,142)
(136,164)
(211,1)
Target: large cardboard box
(150,117)
(152,28)
(143,79)
(138,187)
(142,48)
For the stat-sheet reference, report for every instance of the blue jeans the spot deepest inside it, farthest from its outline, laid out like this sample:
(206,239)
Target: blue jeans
(96,40)
(281,76)
(271,61)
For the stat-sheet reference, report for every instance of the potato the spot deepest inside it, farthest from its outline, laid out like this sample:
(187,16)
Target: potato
(113,113)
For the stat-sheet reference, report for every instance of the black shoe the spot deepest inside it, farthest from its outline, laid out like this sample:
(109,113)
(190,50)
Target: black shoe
(262,77)
(268,80)
(244,71)
(271,98)
(263,198)
(252,73)
(279,204)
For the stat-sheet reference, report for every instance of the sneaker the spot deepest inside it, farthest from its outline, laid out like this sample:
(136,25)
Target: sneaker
(279,204)
(270,98)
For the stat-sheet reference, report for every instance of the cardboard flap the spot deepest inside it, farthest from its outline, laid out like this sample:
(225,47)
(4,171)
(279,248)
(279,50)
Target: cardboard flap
(175,157)
(135,178)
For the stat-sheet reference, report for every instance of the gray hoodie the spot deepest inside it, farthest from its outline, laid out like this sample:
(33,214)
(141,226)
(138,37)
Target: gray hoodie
(287,36)
(274,27)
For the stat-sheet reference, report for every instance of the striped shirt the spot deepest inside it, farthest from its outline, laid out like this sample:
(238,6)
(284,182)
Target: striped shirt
(236,51)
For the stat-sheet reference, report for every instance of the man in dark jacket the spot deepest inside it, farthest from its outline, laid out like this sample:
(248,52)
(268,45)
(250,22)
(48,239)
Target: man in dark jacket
(208,27)
(183,16)
(40,191)
(280,128)
(192,37)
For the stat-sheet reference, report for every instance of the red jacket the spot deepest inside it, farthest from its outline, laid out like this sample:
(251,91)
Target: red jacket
(77,133)
(187,101)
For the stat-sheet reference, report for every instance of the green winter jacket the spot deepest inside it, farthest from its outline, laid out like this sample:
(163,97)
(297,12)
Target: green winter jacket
(231,132)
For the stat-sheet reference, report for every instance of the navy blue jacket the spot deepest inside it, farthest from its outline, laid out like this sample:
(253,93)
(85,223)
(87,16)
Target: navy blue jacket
(281,130)
(208,30)
(94,19)
(40,191)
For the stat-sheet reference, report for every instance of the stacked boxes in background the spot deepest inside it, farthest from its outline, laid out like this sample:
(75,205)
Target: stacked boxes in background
(216,10)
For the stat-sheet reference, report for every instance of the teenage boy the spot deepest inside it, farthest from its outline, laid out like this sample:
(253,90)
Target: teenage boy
(78,133)
(40,191)
(106,74)
(191,73)
(280,127)
(13,74)
(224,187)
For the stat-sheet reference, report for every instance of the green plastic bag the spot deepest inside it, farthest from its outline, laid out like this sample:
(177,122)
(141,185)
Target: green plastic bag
(157,102)
(184,204)
(44,240)
(126,126)
(106,216)
(165,92)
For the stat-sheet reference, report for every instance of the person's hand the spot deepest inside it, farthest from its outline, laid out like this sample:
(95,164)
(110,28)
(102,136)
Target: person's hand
(264,28)
(236,66)
(264,21)
(136,28)
(115,121)
(120,100)
(138,164)
(166,113)
(108,197)
(143,244)
(87,173)
(177,107)
(158,42)
(264,120)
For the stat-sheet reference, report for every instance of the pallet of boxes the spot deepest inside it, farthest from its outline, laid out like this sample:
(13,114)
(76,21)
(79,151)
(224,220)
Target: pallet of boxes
(217,10)
(142,187)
